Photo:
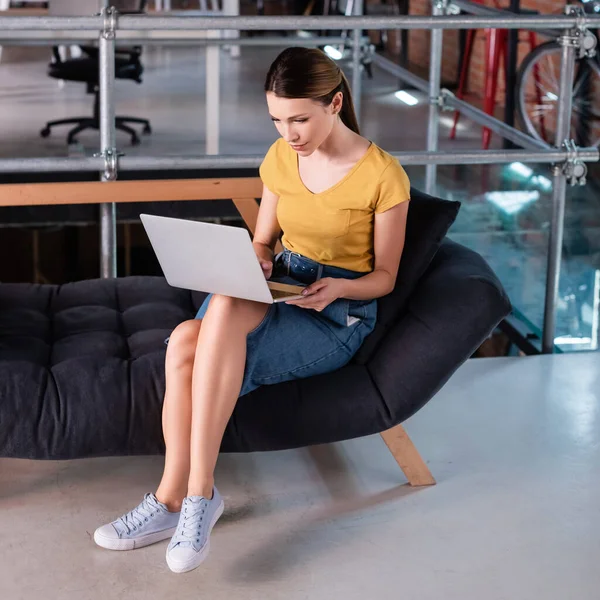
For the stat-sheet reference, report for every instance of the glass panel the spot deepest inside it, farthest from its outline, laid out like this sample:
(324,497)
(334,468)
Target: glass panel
(505,216)
(579,289)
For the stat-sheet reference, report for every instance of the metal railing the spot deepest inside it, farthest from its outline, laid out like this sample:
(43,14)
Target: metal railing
(568,161)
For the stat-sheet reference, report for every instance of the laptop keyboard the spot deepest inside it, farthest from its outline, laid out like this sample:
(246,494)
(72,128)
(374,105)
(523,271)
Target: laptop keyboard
(280,294)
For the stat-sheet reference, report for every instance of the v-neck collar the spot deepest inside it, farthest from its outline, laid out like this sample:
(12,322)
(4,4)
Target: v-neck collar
(341,181)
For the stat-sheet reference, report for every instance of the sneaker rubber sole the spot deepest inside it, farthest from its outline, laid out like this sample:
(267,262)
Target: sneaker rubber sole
(133,543)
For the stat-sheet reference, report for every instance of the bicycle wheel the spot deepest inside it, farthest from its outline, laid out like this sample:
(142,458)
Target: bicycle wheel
(537,96)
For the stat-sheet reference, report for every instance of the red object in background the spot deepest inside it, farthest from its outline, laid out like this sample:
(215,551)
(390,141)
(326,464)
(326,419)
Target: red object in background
(495,47)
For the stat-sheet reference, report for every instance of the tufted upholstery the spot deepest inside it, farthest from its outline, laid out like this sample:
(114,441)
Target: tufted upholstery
(124,319)
(75,359)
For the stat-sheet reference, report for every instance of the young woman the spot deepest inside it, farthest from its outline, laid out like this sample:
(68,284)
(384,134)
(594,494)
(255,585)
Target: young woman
(342,204)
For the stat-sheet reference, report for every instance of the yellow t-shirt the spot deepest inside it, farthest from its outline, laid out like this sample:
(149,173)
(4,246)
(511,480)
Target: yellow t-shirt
(334,227)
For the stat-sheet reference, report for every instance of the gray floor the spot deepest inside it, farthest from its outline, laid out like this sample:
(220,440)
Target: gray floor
(513,443)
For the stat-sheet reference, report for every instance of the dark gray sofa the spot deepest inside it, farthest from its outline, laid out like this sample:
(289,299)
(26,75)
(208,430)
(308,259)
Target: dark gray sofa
(82,364)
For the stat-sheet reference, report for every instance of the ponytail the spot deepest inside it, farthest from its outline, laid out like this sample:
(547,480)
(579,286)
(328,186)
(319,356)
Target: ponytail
(347,114)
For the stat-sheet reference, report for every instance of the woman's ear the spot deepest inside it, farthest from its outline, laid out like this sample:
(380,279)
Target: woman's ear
(336,103)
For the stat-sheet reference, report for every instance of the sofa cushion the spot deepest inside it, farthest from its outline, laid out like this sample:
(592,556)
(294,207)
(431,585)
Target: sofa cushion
(428,222)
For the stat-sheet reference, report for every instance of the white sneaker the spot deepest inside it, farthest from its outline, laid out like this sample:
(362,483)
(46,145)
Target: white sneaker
(146,524)
(191,542)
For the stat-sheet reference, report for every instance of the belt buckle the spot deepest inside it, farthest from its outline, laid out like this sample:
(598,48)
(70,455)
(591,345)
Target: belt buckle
(291,255)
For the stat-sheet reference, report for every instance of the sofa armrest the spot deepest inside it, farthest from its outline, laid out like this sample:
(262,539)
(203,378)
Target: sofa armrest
(457,304)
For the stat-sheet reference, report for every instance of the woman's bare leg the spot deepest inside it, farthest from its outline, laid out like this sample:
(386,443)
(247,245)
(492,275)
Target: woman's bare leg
(177,413)
(216,382)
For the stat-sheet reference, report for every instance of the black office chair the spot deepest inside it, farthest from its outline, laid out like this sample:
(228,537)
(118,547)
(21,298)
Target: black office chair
(87,68)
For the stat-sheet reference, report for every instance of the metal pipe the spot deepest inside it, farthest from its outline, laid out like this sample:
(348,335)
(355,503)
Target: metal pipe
(355,7)
(489,11)
(189,25)
(212,95)
(286,23)
(435,78)
(43,23)
(404,74)
(475,157)
(231,8)
(135,37)
(51,165)
(497,126)
(563,129)
(356,72)
(108,214)
(177,163)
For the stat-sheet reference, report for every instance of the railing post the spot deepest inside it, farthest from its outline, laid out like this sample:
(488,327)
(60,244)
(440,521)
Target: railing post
(356,66)
(108,216)
(213,94)
(563,133)
(435,77)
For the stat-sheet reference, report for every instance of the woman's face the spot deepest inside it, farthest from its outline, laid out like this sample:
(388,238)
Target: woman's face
(303,123)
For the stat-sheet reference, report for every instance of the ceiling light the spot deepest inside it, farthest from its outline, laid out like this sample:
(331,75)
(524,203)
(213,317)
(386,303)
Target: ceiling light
(406,98)
(521,169)
(333,53)
(543,182)
(511,202)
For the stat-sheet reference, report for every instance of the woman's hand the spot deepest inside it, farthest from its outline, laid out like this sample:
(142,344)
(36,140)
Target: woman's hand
(321,293)
(267,267)
(265,258)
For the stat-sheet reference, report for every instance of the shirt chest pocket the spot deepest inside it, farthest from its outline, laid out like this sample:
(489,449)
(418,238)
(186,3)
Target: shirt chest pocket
(333,223)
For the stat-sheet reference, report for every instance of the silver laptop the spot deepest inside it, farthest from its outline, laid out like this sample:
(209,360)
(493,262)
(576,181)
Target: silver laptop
(217,259)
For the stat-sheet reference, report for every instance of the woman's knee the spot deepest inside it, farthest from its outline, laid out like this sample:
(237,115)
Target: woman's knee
(183,340)
(250,313)
(223,303)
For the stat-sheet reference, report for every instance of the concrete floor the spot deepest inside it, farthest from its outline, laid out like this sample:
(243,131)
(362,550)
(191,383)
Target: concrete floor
(513,443)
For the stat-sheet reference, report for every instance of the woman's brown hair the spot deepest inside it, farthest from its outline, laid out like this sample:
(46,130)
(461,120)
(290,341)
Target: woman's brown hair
(310,73)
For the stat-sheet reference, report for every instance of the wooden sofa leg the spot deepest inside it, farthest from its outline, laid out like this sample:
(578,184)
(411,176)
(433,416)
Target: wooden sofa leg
(407,456)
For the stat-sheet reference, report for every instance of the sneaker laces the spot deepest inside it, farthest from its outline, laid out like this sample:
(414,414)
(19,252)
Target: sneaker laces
(135,518)
(191,522)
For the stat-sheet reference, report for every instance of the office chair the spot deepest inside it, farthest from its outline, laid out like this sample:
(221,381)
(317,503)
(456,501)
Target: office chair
(86,69)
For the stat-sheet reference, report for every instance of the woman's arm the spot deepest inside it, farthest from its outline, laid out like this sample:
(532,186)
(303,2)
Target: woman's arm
(389,235)
(267,230)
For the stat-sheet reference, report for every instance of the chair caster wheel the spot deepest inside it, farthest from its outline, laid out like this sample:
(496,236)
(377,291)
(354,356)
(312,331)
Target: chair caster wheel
(45,132)
(147,129)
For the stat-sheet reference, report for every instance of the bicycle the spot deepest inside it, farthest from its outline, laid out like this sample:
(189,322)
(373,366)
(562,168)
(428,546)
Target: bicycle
(537,91)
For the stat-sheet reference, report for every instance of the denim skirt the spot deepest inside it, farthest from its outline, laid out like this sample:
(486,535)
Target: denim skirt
(293,342)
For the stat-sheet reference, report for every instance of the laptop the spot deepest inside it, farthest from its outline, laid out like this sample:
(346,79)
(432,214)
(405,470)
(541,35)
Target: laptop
(217,259)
